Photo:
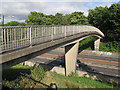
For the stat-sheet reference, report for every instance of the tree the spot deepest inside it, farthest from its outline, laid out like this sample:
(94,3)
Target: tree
(78,18)
(35,18)
(12,23)
(15,23)
(107,20)
(38,18)
(114,21)
(66,19)
(58,20)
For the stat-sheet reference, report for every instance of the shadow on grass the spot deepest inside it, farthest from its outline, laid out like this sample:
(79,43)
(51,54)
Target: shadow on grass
(13,73)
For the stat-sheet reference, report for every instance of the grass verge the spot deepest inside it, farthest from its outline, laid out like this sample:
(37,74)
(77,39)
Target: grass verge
(22,77)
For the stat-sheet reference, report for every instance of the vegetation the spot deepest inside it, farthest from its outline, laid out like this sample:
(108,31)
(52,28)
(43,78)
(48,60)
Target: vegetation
(38,73)
(88,43)
(14,23)
(110,46)
(74,81)
(38,18)
(107,20)
(42,79)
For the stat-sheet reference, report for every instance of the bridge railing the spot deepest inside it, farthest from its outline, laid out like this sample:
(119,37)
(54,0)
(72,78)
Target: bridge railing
(13,37)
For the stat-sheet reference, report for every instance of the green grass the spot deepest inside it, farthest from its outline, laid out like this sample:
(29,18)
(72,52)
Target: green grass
(77,82)
(22,77)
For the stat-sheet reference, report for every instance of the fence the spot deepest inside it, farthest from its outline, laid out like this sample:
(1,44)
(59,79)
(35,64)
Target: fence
(13,37)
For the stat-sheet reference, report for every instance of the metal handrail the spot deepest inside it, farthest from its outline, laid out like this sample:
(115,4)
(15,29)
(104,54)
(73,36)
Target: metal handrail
(13,37)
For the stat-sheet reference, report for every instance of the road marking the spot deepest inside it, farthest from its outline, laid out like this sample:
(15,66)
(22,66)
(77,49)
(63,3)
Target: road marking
(90,60)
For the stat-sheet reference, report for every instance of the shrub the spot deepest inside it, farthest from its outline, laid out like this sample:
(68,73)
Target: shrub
(38,73)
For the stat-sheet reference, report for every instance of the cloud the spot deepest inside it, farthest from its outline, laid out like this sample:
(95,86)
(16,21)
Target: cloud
(60,0)
(20,10)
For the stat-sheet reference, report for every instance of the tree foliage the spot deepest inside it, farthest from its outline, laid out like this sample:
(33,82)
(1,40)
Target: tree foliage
(14,23)
(107,20)
(78,18)
(38,18)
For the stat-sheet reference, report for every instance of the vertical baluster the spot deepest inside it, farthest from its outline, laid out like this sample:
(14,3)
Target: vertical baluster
(65,31)
(30,36)
(18,33)
(55,31)
(19,41)
(10,35)
(73,29)
(21,37)
(1,36)
(4,38)
(42,33)
(14,38)
(37,38)
(1,39)
(45,33)
(7,38)
(25,40)
(35,32)
(52,33)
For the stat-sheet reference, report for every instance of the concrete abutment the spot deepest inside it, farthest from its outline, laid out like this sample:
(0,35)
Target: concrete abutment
(97,44)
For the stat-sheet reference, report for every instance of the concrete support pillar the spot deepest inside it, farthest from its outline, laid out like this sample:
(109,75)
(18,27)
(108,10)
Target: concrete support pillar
(97,44)
(71,52)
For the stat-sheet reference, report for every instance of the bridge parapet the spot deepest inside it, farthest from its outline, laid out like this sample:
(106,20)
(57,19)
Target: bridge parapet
(14,37)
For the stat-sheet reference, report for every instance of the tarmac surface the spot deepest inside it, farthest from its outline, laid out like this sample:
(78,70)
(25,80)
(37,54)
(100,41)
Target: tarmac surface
(56,60)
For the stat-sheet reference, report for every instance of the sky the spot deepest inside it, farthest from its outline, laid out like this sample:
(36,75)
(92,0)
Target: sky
(18,10)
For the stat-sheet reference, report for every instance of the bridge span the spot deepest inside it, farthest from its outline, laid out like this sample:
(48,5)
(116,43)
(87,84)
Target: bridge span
(21,43)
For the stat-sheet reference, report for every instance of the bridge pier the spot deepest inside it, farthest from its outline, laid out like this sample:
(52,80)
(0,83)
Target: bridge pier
(97,44)
(71,52)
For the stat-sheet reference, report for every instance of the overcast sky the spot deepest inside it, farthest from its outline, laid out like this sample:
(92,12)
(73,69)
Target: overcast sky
(17,10)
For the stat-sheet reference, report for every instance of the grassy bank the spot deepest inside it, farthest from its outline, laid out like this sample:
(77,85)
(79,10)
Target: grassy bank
(31,77)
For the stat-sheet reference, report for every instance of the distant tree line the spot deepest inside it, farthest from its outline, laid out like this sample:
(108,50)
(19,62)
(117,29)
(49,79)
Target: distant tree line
(38,18)
(15,23)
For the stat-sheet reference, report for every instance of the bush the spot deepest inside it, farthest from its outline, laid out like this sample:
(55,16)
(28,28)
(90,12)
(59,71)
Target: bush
(38,73)
(10,84)
(110,46)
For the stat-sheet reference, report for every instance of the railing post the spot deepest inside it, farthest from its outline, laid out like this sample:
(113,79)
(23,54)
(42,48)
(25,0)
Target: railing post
(73,29)
(65,31)
(30,37)
(52,32)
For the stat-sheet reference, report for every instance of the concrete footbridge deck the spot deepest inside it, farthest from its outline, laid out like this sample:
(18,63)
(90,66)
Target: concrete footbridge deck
(21,43)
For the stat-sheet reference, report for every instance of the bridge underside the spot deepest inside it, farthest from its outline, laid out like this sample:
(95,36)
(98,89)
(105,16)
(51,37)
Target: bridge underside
(71,44)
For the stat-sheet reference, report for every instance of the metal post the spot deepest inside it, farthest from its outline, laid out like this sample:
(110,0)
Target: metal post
(15,37)
(3,21)
(52,33)
(4,39)
(30,37)
(65,31)
(73,30)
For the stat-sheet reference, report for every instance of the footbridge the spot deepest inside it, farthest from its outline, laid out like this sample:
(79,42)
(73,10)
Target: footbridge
(21,43)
